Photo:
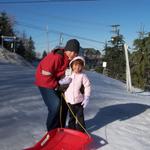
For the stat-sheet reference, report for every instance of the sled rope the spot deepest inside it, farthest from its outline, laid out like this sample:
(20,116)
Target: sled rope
(74,116)
(60,114)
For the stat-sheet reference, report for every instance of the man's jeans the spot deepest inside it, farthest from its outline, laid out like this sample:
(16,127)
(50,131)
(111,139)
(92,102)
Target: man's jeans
(52,102)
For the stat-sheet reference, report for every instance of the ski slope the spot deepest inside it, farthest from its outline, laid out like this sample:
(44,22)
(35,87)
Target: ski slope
(113,114)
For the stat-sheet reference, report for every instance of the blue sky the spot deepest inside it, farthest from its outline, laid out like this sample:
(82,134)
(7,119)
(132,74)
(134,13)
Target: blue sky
(89,20)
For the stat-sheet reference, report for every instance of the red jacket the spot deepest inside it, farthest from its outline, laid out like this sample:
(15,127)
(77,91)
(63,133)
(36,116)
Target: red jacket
(54,63)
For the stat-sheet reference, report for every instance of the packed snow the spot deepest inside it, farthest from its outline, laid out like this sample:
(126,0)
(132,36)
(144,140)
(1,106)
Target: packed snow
(115,118)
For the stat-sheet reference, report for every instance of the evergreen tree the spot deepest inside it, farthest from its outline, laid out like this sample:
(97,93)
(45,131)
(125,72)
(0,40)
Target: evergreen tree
(30,50)
(6,24)
(44,54)
(115,57)
(140,59)
(6,28)
(20,49)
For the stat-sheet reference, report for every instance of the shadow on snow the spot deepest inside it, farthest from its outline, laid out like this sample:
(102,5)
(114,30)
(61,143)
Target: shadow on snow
(110,114)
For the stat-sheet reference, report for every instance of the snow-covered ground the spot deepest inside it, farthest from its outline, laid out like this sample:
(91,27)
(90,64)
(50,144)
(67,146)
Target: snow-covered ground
(12,58)
(113,114)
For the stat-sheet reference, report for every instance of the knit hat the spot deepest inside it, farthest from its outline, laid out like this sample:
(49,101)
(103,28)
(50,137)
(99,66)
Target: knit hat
(72,45)
(77,58)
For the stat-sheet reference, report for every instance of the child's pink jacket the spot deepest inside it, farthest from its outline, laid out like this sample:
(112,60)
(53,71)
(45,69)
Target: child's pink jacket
(73,94)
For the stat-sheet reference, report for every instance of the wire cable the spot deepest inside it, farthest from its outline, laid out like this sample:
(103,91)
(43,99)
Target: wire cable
(58,32)
(41,1)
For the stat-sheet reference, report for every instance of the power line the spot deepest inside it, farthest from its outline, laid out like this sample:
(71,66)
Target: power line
(80,23)
(41,1)
(83,38)
(30,26)
(91,45)
(58,32)
(73,20)
(22,2)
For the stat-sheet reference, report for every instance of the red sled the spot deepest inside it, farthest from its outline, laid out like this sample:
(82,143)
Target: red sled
(63,139)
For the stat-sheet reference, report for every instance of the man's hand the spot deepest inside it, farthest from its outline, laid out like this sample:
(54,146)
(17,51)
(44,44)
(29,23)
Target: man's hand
(46,73)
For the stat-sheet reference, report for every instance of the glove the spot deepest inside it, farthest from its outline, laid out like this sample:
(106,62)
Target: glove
(66,80)
(85,101)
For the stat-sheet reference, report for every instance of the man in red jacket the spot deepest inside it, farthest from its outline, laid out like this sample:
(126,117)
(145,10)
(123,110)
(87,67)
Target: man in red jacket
(48,73)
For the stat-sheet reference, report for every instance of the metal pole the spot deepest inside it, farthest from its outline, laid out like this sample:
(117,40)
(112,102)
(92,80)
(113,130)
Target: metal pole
(128,74)
(60,39)
(47,36)
(2,41)
(14,44)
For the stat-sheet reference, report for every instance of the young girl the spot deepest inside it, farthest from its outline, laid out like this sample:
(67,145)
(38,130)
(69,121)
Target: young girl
(76,97)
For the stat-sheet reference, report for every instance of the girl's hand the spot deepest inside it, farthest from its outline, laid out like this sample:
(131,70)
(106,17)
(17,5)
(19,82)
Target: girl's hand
(85,101)
(66,80)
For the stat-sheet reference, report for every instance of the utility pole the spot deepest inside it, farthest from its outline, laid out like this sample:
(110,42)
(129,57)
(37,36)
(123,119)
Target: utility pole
(116,34)
(141,32)
(128,74)
(2,41)
(115,29)
(60,39)
(47,38)
(14,44)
